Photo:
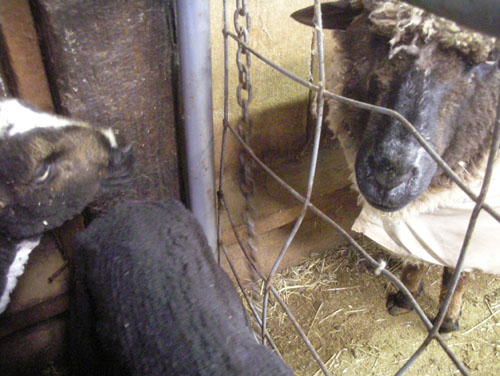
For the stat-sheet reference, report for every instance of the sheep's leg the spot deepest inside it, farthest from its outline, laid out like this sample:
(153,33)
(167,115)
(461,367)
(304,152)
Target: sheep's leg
(412,276)
(450,322)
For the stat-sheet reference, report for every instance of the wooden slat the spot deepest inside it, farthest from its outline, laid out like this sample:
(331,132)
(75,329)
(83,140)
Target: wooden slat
(32,316)
(314,236)
(27,352)
(6,87)
(26,73)
(276,210)
(280,218)
(276,207)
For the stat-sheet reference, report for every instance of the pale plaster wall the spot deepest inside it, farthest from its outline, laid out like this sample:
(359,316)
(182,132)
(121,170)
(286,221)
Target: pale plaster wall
(278,110)
(279,107)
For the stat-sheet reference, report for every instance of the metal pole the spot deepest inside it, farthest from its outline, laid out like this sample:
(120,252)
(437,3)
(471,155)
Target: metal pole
(196,79)
(482,15)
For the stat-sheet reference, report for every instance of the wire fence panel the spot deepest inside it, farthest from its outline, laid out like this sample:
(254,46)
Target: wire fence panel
(249,159)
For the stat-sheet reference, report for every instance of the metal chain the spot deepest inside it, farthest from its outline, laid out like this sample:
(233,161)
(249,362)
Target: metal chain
(244,95)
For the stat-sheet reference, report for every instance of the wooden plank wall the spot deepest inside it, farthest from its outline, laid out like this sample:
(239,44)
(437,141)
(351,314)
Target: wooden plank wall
(111,63)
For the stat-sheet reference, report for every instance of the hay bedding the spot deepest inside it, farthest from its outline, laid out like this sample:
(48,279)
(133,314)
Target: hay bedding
(340,304)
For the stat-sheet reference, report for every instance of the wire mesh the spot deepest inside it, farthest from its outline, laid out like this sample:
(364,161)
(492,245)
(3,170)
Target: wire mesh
(378,266)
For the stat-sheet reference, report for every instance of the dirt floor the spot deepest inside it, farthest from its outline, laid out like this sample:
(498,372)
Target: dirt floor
(340,304)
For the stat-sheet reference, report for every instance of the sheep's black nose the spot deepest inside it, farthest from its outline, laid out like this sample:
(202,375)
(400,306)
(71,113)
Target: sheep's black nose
(391,174)
(394,163)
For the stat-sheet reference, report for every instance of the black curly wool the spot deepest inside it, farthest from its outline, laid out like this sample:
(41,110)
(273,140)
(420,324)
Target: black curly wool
(149,299)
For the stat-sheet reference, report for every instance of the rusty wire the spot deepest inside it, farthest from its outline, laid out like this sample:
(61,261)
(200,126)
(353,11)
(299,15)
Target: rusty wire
(222,204)
(314,158)
(377,266)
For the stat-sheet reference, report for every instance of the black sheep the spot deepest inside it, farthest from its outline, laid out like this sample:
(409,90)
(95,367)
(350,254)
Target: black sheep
(149,299)
(445,80)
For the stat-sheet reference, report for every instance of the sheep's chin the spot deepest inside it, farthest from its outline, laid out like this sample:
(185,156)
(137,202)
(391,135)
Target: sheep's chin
(388,200)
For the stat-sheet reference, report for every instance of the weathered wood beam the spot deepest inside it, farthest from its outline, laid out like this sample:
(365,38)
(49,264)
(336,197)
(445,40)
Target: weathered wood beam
(23,73)
(112,63)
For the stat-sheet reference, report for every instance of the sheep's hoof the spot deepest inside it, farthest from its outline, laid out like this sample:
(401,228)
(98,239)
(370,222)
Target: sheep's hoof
(398,303)
(448,325)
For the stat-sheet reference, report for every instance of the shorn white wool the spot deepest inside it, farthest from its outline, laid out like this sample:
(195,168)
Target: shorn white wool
(433,229)
(16,269)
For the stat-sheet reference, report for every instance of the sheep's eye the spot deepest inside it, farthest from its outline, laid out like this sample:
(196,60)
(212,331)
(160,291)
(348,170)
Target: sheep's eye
(47,167)
(42,173)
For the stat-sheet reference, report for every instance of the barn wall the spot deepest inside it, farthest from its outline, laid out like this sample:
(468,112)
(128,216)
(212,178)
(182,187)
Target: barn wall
(110,63)
(277,110)
(278,113)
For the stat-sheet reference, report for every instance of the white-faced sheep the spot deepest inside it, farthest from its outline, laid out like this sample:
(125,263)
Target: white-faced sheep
(149,299)
(445,80)
(50,168)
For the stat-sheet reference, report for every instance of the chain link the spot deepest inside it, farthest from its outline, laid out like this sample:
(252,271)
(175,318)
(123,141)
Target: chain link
(244,96)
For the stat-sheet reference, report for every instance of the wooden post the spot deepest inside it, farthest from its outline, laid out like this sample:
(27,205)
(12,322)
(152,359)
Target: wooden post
(112,63)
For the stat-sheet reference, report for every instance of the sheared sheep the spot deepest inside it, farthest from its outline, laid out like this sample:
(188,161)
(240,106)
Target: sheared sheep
(149,299)
(445,80)
(50,168)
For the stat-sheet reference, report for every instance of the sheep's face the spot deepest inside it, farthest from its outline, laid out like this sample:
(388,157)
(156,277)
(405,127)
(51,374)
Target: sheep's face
(49,174)
(451,103)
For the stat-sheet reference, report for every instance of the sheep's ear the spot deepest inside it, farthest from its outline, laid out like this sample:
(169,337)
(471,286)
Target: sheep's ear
(337,15)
